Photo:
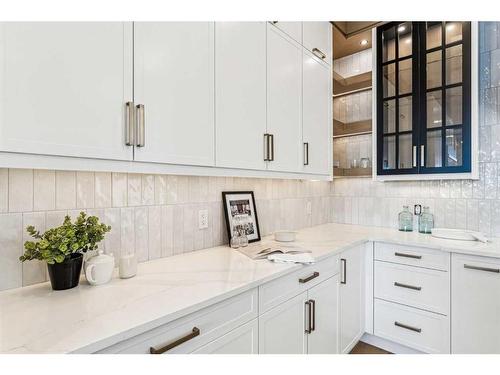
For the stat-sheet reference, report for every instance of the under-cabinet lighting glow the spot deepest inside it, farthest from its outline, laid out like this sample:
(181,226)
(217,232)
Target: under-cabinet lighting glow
(364,42)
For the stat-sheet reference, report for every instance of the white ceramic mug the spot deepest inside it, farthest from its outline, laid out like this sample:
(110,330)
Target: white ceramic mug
(128,266)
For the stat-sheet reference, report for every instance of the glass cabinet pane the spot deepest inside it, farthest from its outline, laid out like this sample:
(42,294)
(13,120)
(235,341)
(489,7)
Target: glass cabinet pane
(454,147)
(453,32)
(404,39)
(405,151)
(433,34)
(454,106)
(390,116)
(388,45)
(405,113)
(454,65)
(434,68)
(434,109)
(405,76)
(433,157)
(389,80)
(389,156)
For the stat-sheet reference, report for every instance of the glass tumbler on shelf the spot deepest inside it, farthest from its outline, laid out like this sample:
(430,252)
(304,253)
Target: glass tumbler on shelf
(425,221)
(405,219)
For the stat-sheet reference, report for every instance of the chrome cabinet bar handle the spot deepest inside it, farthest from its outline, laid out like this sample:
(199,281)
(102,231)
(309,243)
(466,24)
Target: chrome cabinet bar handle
(401,285)
(404,255)
(140,129)
(129,123)
(306,153)
(308,329)
(313,314)
(343,279)
(266,147)
(422,156)
(194,332)
(309,278)
(405,326)
(414,156)
(487,269)
(318,53)
(271,147)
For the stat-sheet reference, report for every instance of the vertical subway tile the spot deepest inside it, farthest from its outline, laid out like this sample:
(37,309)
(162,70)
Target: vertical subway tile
(490,180)
(182,189)
(20,190)
(65,190)
(119,189)
(485,216)
(472,214)
(167,234)
(44,190)
(189,224)
(103,186)
(160,189)
(34,271)
(4,190)
(85,189)
(147,190)
(112,240)
(154,232)
(11,250)
(134,190)
(54,218)
(141,233)
(178,229)
(127,230)
(172,190)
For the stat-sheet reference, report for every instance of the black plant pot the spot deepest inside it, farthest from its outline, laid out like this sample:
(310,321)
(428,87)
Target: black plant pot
(66,275)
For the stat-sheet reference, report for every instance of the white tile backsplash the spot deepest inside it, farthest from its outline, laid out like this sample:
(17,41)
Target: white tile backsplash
(20,190)
(44,190)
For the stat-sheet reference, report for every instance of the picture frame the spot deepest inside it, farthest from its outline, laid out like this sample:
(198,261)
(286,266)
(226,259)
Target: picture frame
(239,207)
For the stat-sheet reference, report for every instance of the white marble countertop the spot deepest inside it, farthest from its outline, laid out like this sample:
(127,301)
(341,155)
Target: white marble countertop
(36,319)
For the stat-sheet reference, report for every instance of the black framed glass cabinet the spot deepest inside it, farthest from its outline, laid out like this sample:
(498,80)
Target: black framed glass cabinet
(423,98)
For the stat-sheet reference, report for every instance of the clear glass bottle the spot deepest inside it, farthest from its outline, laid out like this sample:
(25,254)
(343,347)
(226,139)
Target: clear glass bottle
(235,240)
(425,221)
(405,218)
(243,238)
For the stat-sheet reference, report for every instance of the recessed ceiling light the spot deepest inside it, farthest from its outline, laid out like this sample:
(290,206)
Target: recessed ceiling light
(364,42)
(401,28)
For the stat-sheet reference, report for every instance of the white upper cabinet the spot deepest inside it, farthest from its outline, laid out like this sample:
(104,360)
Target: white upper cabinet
(316,115)
(317,38)
(174,80)
(240,94)
(292,29)
(284,102)
(475,317)
(64,87)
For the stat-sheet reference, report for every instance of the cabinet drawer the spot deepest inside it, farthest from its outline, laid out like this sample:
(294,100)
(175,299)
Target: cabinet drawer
(413,256)
(418,329)
(418,287)
(212,322)
(277,291)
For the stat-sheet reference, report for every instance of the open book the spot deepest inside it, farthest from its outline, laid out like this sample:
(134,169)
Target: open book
(262,250)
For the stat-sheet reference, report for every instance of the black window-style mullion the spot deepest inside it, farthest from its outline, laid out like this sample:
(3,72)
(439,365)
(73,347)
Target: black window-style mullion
(396,93)
(443,95)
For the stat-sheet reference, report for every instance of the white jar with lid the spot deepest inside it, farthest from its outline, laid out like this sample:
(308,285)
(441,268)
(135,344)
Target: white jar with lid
(99,268)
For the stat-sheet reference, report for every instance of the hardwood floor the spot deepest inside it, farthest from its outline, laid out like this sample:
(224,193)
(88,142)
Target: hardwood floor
(364,348)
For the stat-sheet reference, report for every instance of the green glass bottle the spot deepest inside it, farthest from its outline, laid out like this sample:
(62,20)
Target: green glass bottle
(425,221)
(405,220)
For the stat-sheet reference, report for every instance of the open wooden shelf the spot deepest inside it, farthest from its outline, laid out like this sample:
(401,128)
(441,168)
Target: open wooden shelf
(352,172)
(359,82)
(350,129)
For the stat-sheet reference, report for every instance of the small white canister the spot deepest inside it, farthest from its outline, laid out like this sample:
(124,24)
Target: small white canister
(128,266)
(99,268)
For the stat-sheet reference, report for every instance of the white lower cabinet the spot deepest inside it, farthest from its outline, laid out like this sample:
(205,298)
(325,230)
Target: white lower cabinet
(242,340)
(351,297)
(475,296)
(307,323)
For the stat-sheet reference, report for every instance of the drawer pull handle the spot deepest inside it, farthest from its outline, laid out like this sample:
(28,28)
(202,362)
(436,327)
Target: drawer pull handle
(408,255)
(195,332)
(405,326)
(318,53)
(309,278)
(401,285)
(487,269)
(343,277)
(309,317)
(313,308)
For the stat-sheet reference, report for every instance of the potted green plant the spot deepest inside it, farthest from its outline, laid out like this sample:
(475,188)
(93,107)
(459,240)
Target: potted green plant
(63,248)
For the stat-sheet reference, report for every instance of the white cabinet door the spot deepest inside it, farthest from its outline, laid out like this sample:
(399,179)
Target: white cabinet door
(292,29)
(284,102)
(324,338)
(317,99)
(351,297)
(281,329)
(475,305)
(240,94)
(64,87)
(174,80)
(317,38)
(242,340)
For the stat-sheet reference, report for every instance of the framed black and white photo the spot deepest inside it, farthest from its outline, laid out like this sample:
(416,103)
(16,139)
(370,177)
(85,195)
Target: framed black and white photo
(241,214)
